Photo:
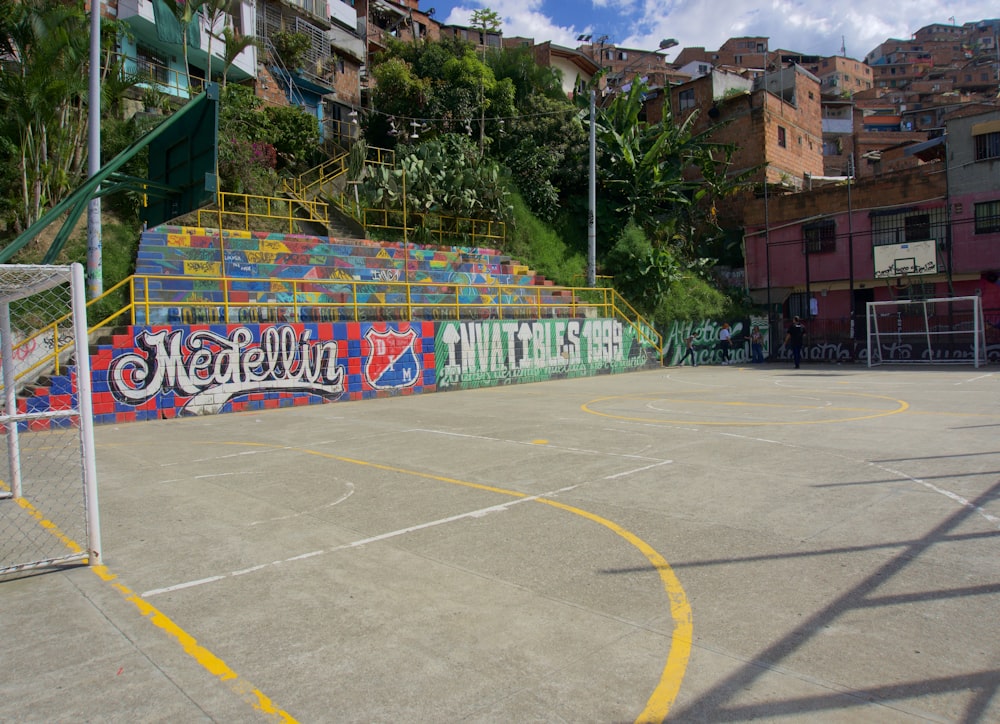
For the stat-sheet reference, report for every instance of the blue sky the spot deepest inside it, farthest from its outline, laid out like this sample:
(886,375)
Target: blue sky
(807,26)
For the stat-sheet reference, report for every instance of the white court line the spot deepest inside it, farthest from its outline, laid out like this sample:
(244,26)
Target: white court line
(364,541)
(532,444)
(637,470)
(974,379)
(188,461)
(338,501)
(965,503)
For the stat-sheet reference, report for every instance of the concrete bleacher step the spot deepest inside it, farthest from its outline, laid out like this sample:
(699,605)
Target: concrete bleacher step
(255,262)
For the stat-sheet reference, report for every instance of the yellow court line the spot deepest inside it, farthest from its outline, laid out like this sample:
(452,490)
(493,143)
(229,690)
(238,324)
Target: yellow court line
(666,690)
(656,708)
(209,661)
(902,406)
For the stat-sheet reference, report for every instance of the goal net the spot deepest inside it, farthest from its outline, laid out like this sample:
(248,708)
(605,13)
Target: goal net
(48,481)
(947,330)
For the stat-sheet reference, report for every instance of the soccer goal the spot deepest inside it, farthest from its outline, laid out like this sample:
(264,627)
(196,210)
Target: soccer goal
(947,330)
(48,480)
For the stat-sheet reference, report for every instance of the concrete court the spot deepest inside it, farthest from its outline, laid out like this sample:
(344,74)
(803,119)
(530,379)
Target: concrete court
(713,544)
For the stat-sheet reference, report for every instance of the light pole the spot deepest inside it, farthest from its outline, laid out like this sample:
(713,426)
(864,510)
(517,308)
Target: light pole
(592,215)
(95,277)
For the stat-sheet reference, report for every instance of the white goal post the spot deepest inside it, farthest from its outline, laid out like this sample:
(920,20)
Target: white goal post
(945,330)
(48,478)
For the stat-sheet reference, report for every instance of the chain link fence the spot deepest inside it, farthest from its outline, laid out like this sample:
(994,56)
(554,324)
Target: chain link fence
(48,488)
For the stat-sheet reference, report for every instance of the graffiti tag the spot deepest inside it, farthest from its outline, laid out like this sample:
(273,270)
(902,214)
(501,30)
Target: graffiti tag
(211,369)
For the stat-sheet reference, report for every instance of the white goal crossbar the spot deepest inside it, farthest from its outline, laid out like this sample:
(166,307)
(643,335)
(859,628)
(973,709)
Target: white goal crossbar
(943,330)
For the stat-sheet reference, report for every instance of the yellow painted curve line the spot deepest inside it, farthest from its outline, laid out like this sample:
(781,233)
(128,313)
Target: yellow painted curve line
(209,661)
(903,406)
(658,705)
(665,693)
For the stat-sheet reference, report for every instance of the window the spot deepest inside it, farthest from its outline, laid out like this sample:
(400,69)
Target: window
(798,305)
(918,227)
(898,228)
(686,99)
(820,237)
(149,63)
(987,146)
(988,217)
(782,140)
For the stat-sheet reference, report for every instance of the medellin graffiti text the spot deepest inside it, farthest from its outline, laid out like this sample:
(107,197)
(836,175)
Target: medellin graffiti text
(211,369)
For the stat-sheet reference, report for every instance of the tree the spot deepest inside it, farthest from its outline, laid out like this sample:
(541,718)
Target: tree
(443,85)
(487,20)
(235,44)
(43,103)
(662,181)
(546,150)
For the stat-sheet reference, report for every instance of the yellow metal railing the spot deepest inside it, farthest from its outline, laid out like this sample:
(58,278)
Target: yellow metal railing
(235,211)
(434,228)
(318,178)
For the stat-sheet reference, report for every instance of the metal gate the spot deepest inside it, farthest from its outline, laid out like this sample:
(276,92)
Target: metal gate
(48,479)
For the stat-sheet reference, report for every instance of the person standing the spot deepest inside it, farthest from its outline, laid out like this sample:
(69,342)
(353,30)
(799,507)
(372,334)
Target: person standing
(725,342)
(756,346)
(793,340)
(689,351)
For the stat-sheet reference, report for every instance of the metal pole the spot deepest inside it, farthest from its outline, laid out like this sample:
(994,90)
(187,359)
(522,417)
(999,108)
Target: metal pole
(84,394)
(10,395)
(850,239)
(767,263)
(592,215)
(95,277)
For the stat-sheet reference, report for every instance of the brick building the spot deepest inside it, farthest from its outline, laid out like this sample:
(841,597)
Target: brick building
(813,253)
(774,121)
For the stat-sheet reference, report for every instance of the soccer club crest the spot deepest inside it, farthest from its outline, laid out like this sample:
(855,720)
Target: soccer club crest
(392,363)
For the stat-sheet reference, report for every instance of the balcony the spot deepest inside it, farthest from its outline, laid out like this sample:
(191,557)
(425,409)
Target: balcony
(155,28)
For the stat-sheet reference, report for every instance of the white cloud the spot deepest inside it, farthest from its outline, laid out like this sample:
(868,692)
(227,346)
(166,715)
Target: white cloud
(817,27)
(808,26)
(521,18)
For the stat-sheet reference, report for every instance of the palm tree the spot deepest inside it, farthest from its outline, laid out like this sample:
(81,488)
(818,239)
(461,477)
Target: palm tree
(186,12)
(235,44)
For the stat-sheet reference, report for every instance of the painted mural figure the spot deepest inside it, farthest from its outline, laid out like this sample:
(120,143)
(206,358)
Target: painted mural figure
(756,346)
(725,342)
(793,340)
(689,351)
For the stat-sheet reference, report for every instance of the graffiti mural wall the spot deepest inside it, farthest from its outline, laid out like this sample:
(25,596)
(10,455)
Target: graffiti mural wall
(817,347)
(500,352)
(153,372)
(706,340)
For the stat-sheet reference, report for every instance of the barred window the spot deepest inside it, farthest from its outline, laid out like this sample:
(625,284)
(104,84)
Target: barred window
(987,146)
(820,237)
(899,227)
(918,227)
(988,217)
(151,64)
(686,98)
